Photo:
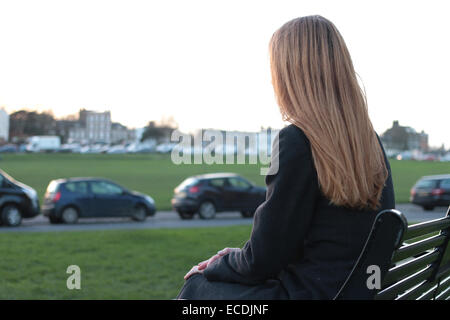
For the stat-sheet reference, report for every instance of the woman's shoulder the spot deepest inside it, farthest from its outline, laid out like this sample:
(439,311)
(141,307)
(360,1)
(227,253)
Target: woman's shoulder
(293,130)
(294,139)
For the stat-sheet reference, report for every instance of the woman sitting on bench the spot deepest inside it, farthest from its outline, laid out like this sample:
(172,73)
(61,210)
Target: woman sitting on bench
(330,177)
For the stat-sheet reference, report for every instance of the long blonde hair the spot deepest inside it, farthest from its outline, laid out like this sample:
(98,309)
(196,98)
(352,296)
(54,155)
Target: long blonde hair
(317,90)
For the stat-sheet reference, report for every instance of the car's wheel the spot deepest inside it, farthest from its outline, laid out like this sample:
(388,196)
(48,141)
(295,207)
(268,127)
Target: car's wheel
(207,210)
(11,215)
(54,220)
(428,208)
(139,214)
(185,215)
(69,215)
(247,213)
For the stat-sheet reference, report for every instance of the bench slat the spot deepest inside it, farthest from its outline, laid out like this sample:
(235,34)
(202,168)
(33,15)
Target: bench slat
(400,287)
(428,295)
(423,228)
(444,272)
(405,269)
(418,291)
(444,285)
(409,250)
(444,294)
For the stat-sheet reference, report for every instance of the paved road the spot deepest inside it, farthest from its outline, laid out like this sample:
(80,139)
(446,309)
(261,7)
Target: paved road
(162,219)
(170,219)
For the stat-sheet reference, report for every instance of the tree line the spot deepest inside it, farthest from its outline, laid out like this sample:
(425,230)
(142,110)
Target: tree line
(23,124)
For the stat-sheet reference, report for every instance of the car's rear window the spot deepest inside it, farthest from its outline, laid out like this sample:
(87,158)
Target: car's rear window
(52,187)
(426,183)
(77,187)
(445,184)
(188,182)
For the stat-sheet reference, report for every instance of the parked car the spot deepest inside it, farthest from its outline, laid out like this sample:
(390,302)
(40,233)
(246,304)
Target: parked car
(9,148)
(17,201)
(66,200)
(209,194)
(70,148)
(142,147)
(431,191)
(165,147)
(118,149)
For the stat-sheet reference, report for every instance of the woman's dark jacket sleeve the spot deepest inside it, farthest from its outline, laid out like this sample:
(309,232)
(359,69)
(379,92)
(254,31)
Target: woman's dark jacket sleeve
(281,222)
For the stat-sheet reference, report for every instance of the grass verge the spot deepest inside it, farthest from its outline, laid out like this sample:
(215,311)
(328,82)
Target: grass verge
(138,264)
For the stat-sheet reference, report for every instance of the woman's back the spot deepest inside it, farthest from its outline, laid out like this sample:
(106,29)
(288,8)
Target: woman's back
(298,237)
(334,241)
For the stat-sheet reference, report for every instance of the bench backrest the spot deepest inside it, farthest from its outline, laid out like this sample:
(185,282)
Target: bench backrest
(418,269)
(385,236)
(410,260)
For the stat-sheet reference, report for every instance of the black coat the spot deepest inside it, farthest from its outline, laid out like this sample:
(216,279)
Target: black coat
(301,246)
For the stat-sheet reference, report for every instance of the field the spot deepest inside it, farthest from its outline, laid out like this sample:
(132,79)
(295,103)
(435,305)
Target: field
(138,264)
(156,175)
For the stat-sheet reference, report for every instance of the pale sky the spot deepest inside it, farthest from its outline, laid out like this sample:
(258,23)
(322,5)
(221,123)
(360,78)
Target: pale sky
(206,62)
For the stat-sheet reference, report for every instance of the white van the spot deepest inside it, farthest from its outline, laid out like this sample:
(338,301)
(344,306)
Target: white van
(43,144)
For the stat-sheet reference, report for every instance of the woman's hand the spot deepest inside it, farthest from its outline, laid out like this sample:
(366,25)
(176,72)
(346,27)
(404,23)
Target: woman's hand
(194,270)
(204,264)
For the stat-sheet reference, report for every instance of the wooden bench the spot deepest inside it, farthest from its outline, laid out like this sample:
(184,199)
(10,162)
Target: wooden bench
(410,259)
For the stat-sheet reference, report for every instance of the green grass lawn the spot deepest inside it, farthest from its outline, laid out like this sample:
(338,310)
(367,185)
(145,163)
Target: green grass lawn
(139,264)
(157,176)
(115,264)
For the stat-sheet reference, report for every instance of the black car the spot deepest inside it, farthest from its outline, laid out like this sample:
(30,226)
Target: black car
(17,201)
(211,193)
(431,191)
(66,200)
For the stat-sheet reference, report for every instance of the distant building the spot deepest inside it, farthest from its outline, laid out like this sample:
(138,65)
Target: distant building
(96,127)
(120,133)
(404,138)
(4,125)
(92,127)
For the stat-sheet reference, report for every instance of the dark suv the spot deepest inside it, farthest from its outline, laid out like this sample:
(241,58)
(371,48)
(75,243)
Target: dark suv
(17,201)
(211,193)
(431,191)
(66,200)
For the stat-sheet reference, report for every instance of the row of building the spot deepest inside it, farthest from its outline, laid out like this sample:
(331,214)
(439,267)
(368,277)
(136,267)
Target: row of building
(97,127)
(89,128)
